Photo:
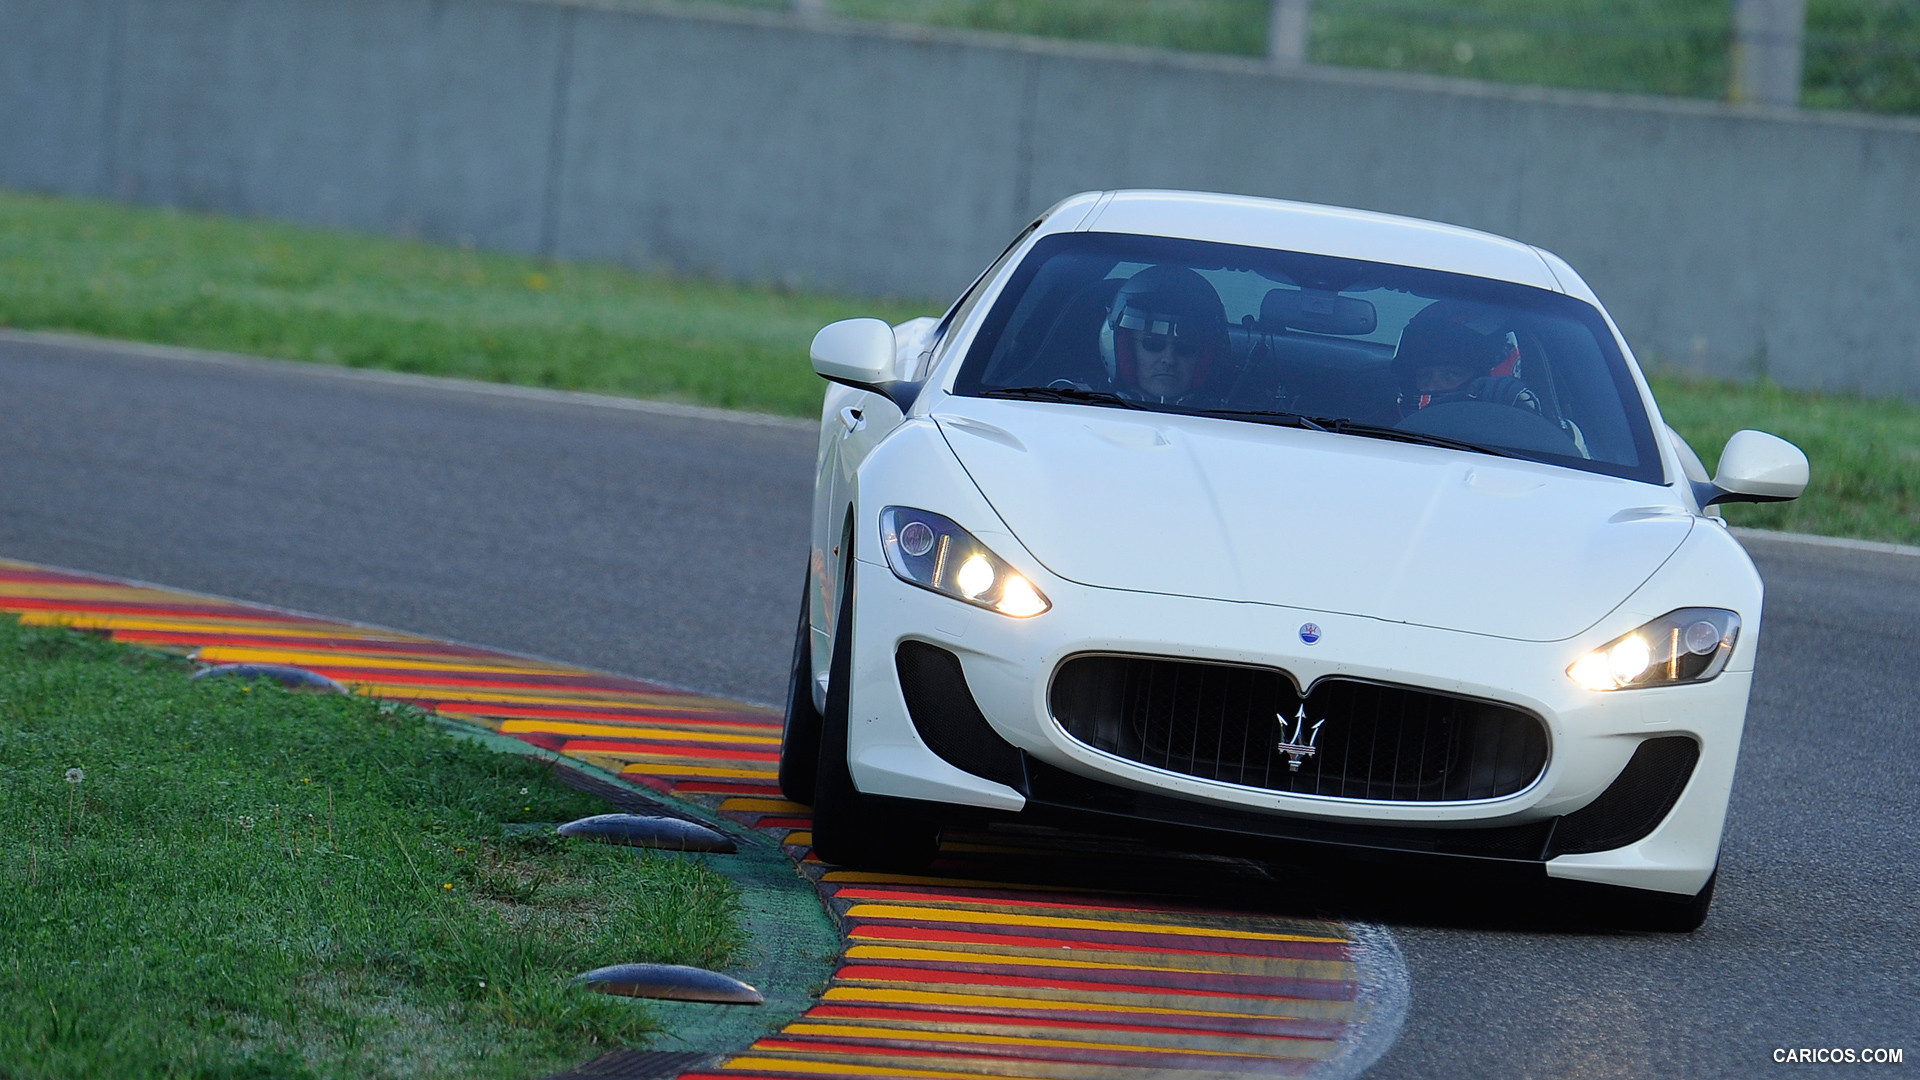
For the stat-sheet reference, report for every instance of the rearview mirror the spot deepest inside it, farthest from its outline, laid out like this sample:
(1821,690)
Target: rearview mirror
(1316,312)
(1758,467)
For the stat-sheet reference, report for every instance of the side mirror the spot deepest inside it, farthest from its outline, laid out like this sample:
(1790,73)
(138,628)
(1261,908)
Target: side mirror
(860,353)
(1758,467)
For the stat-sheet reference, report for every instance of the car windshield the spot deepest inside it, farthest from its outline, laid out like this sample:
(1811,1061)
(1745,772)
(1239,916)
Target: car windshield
(1367,349)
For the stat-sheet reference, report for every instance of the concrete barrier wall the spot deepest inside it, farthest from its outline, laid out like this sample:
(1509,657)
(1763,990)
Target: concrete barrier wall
(886,160)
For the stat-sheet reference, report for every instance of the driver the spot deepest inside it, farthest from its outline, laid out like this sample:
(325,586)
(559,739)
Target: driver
(1162,334)
(1443,357)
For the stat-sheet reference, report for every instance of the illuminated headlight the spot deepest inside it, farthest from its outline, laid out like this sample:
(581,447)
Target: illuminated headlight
(1689,645)
(932,552)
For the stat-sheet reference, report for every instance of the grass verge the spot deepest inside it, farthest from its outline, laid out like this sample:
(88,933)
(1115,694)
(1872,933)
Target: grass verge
(308,294)
(240,881)
(1864,453)
(365,301)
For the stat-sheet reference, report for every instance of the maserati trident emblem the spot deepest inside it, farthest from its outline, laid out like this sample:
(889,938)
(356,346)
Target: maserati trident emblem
(1292,744)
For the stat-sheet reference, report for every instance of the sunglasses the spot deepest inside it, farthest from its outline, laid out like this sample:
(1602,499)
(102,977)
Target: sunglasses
(1155,344)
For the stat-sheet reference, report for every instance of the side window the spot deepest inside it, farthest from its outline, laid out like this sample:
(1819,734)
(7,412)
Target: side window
(963,307)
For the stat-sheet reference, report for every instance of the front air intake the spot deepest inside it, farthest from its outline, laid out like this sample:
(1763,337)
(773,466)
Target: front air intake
(1635,803)
(948,719)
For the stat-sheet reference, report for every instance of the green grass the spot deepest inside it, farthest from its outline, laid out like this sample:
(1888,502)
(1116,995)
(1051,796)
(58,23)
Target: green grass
(251,883)
(1864,453)
(1861,54)
(1667,47)
(309,294)
(1225,26)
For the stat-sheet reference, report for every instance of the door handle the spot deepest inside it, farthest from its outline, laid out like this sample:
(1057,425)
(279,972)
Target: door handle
(851,417)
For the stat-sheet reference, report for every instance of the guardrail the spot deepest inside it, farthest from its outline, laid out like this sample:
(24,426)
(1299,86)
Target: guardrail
(894,160)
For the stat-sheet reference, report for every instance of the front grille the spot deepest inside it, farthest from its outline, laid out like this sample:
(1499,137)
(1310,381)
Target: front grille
(1229,722)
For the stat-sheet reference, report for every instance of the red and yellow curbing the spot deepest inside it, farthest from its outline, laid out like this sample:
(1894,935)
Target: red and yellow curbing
(981,969)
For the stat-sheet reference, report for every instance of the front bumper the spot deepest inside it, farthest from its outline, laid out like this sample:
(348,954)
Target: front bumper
(1007,664)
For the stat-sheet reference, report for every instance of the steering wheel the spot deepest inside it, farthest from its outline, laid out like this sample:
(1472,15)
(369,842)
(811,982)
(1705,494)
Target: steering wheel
(1514,426)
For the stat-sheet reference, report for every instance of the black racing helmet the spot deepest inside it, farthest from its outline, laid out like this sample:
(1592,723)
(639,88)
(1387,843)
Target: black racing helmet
(1451,334)
(1164,299)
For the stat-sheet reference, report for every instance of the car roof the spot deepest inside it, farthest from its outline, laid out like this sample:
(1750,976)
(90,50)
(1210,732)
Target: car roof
(1307,227)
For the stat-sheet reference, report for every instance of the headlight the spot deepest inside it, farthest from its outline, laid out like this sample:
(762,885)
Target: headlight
(1689,645)
(932,552)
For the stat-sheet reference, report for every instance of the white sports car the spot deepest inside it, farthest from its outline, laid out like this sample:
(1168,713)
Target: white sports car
(1245,518)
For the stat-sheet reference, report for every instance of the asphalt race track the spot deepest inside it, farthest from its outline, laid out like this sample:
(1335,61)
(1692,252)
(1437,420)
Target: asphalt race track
(671,545)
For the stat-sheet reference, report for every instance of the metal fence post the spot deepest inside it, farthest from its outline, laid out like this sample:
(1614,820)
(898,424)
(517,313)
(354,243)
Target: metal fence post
(1768,39)
(1287,32)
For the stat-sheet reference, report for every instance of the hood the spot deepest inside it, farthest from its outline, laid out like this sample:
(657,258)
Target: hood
(1343,524)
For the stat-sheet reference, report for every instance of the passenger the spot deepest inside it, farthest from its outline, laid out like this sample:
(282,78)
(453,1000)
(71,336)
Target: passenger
(1443,358)
(1163,332)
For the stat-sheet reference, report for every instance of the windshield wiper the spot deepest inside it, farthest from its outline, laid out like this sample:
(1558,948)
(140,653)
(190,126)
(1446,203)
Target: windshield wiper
(1276,417)
(1336,425)
(1345,426)
(1341,425)
(1062,393)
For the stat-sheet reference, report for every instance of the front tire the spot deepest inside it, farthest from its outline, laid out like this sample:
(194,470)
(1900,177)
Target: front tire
(800,737)
(851,829)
